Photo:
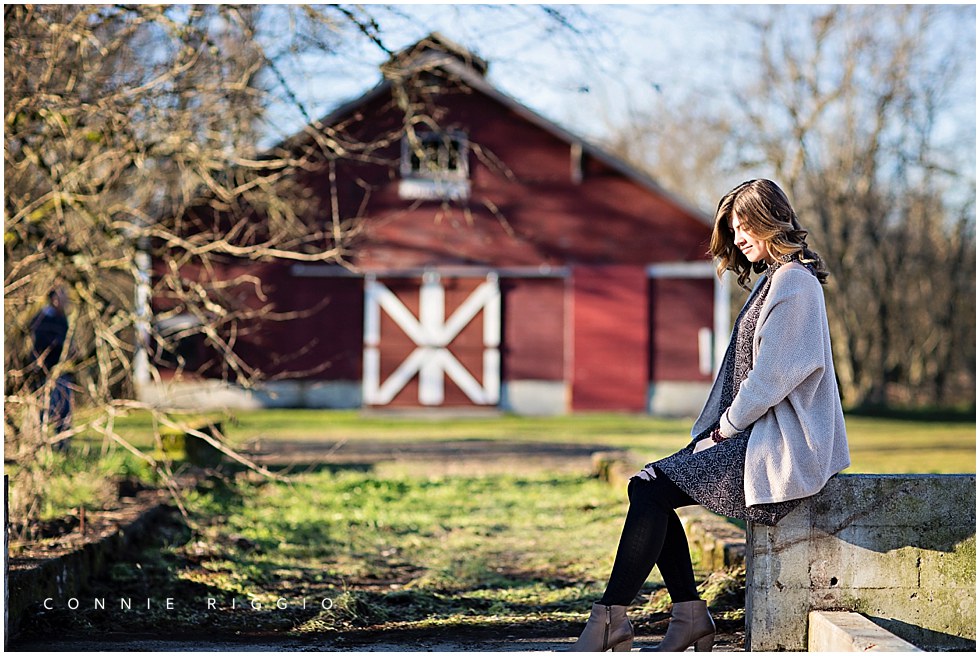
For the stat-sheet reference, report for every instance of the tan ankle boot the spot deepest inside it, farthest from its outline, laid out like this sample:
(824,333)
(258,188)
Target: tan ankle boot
(607,628)
(690,624)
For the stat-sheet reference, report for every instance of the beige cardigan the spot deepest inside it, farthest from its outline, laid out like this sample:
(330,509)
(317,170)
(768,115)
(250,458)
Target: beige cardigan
(789,397)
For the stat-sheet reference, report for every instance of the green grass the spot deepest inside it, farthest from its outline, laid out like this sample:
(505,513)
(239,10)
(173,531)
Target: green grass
(900,446)
(606,428)
(878,445)
(395,548)
(444,534)
(388,549)
(292,424)
(55,485)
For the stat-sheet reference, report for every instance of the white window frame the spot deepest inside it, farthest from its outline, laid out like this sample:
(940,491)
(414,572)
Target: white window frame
(441,183)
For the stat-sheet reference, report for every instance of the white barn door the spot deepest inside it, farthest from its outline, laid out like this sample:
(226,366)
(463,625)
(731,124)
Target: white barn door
(432,334)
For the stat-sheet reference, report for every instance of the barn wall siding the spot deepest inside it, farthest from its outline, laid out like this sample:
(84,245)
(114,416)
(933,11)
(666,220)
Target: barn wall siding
(542,215)
(534,329)
(534,346)
(293,327)
(313,329)
(611,338)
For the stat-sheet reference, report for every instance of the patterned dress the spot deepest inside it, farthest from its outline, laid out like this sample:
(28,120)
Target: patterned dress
(715,477)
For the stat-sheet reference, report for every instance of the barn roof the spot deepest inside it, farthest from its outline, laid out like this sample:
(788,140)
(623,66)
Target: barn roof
(437,51)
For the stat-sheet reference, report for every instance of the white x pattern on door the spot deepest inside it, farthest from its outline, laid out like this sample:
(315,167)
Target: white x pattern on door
(432,335)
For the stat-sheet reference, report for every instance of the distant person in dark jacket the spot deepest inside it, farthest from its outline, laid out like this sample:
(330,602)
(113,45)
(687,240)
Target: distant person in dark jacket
(49,336)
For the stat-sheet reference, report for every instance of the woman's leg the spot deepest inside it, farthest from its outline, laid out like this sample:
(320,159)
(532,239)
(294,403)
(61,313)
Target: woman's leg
(675,562)
(652,534)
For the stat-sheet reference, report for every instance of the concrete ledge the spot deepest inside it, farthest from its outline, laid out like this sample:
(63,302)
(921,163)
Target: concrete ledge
(720,544)
(900,549)
(842,631)
(676,398)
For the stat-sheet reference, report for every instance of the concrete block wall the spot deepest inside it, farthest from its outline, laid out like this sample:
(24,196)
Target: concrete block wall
(216,394)
(719,544)
(899,549)
(29,581)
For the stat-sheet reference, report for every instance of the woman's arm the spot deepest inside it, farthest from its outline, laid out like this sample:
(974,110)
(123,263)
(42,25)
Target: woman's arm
(791,349)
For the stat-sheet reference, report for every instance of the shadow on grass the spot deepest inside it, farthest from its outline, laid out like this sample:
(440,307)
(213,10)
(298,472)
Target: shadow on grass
(142,592)
(410,616)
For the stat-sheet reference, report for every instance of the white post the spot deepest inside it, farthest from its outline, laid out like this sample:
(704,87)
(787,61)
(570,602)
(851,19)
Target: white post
(141,360)
(491,342)
(370,379)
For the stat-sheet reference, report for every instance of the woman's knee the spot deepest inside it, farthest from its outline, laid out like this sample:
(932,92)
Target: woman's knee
(641,490)
(659,492)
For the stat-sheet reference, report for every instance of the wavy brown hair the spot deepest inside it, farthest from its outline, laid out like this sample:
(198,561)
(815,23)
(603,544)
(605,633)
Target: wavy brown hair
(765,213)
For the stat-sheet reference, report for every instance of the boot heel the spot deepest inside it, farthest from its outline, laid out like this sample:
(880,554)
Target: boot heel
(625,645)
(705,643)
(607,628)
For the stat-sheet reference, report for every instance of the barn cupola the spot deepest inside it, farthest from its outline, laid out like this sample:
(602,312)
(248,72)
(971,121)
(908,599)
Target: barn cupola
(434,154)
(432,52)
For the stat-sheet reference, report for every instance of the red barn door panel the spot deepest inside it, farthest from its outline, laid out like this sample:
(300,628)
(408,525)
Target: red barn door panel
(448,340)
(680,309)
(534,329)
(611,342)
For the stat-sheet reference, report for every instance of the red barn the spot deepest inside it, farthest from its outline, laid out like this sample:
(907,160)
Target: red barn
(498,261)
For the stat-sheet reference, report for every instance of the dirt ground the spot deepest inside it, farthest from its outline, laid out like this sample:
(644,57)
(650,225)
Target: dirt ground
(443,457)
(388,641)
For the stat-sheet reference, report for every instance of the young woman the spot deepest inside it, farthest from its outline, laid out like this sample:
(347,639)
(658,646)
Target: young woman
(771,432)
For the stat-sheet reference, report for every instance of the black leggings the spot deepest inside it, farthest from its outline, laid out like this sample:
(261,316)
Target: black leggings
(652,535)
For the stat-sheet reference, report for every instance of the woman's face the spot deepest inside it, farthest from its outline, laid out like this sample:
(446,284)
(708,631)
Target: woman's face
(753,248)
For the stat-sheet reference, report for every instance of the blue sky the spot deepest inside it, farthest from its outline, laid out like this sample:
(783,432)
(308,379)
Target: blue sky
(625,56)
(576,80)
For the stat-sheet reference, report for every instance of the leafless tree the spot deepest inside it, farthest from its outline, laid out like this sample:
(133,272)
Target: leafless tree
(681,141)
(852,130)
(849,108)
(135,129)
(118,119)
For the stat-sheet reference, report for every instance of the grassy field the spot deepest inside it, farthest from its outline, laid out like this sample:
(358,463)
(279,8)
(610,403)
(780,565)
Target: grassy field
(489,543)
(878,445)
(399,549)
(894,446)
